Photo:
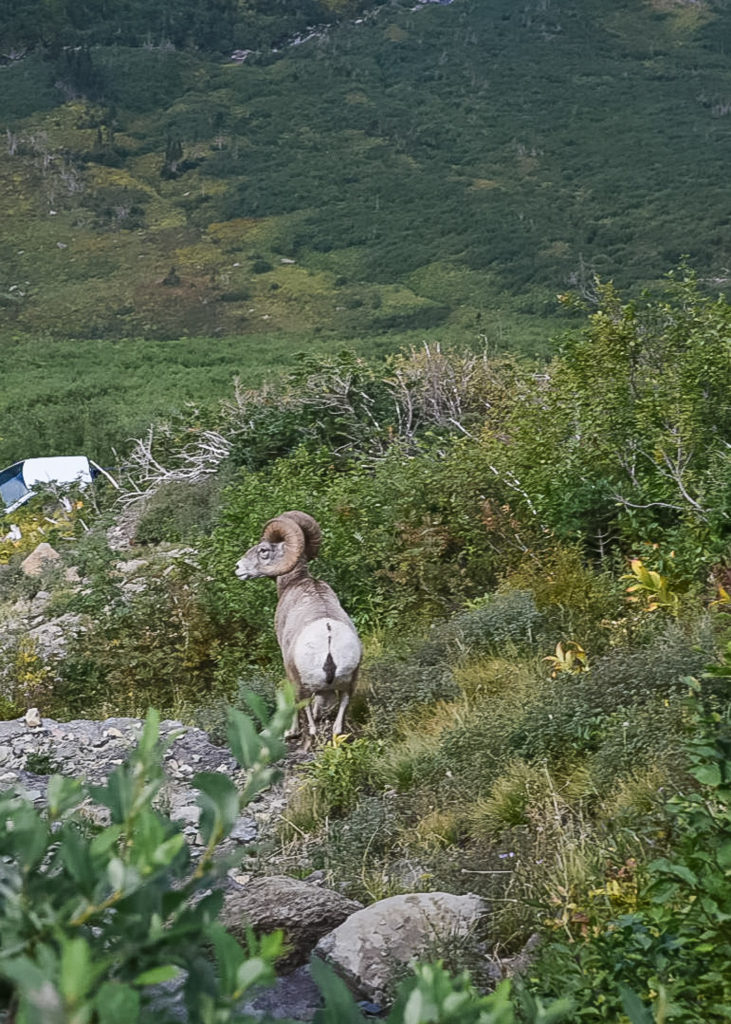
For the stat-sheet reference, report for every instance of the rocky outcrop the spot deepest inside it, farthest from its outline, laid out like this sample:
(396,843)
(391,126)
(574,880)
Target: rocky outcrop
(373,946)
(303,911)
(91,750)
(52,637)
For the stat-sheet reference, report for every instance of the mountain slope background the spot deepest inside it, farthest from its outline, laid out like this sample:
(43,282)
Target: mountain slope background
(396,173)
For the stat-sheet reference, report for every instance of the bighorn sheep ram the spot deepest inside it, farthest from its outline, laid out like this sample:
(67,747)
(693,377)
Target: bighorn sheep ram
(320,645)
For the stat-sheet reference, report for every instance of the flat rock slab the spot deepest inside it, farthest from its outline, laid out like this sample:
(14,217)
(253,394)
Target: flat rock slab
(303,911)
(91,750)
(292,997)
(372,947)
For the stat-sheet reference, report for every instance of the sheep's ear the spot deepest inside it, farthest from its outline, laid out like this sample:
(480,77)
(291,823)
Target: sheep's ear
(311,529)
(287,533)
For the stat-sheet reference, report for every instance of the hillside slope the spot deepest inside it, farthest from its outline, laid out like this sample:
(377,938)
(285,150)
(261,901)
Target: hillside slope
(442,168)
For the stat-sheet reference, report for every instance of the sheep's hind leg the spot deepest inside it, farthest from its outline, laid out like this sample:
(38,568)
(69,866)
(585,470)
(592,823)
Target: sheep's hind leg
(338,726)
(294,730)
(312,724)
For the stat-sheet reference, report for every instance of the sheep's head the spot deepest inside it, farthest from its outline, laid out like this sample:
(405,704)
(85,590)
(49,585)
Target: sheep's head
(285,541)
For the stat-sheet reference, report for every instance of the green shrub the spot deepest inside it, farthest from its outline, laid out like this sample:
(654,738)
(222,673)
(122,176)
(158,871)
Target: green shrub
(519,786)
(475,740)
(646,378)
(403,537)
(26,678)
(41,763)
(665,935)
(574,598)
(358,851)
(124,908)
(579,712)
(180,511)
(212,714)
(633,742)
(92,923)
(396,687)
(159,645)
(341,771)
(508,619)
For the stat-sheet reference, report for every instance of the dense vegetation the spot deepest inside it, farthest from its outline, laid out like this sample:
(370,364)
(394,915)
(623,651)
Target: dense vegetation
(443,171)
(218,25)
(538,560)
(385,220)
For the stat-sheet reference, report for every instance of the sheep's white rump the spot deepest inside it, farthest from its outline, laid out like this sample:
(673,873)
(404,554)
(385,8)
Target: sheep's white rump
(325,635)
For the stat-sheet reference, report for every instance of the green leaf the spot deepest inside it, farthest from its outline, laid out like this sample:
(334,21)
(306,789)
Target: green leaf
(105,841)
(167,852)
(75,856)
(723,855)
(230,957)
(258,706)
(117,1003)
(419,1008)
(63,795)
(27,974)
(666,867)
(116,873)
(149,833)
(117,795)
(252,971)
(243,738)
(707,774)
(558,1010)
(339,1005)
(150,737)
(76,976)
(157,975)
(258,782)
(219,802)
(29,836)
(633,1006)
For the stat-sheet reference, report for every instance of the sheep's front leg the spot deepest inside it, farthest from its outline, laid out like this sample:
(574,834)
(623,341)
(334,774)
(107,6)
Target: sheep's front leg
(338,726)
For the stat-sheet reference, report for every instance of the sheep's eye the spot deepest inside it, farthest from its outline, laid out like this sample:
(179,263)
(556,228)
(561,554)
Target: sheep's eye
(264,553)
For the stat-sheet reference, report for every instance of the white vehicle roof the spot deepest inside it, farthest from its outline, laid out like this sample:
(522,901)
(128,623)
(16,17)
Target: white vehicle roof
(59,469)
(18,481)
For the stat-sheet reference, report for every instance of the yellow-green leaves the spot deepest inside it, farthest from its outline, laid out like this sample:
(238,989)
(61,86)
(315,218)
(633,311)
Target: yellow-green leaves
(570,657)
(651,588)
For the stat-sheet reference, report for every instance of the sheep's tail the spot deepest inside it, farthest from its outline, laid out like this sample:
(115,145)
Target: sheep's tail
(329,668)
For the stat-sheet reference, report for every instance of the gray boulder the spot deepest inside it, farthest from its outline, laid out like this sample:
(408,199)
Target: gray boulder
(52,636)
(372,947)
(303,911)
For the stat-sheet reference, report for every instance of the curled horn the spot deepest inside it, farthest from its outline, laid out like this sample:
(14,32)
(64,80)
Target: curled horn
(282,529)
(311,529)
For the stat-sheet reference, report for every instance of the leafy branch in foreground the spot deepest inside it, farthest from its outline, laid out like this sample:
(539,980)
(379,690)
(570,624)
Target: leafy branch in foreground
(432,996)
(92,919)
(96,920)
